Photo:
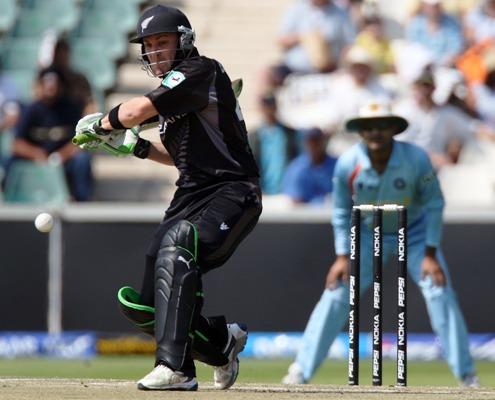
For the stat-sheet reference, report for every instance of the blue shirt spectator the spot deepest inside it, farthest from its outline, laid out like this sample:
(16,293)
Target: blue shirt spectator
(436,31)
(309,176)
(332,23)
(274,146)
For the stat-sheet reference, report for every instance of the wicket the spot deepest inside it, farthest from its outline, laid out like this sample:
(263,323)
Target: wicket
(354,292)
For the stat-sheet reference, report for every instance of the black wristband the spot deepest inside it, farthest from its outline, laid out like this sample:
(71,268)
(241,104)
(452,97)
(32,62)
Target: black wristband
(142,148)
(99,129)
(113,118)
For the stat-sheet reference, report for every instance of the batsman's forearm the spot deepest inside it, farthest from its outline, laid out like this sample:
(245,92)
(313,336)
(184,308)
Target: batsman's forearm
(132,112)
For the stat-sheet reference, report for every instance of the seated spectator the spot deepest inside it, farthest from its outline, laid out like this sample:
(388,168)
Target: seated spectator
(458,8)
(372,38)
(309,177)
(484,98)
(479,24)
(436,31)
(76,84)
(274,146)
(357,84)
(313,35)
(9,112)
(441,130)
(45,130)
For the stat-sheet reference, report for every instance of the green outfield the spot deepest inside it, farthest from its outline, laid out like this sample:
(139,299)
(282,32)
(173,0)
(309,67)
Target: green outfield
(252,370)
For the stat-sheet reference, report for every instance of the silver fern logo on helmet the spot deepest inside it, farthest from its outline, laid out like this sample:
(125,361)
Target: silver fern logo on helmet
(146,22)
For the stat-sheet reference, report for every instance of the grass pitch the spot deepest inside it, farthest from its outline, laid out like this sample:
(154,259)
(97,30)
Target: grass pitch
(113,377)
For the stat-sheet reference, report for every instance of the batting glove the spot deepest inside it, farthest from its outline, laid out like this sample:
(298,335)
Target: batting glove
(118,144)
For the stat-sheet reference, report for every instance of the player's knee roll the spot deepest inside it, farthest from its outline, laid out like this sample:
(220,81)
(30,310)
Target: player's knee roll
(183,235)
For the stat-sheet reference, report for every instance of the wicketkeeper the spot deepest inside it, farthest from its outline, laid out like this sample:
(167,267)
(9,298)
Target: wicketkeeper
(380,170)
(217,202)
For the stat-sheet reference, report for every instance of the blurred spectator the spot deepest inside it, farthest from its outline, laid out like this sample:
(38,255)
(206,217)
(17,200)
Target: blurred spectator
(476,60)
(309,176)
(45,130)
(313,35)
(357,84)
(274,146)
(480,22)
(372,38)
(9,111)
(484,98)
(454,7)
(436,31)
(441,130)
(76,84)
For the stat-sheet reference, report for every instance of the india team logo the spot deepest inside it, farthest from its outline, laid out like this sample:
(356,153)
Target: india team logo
(399,183)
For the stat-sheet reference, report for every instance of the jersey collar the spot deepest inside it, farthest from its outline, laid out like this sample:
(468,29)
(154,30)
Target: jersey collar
(395,160)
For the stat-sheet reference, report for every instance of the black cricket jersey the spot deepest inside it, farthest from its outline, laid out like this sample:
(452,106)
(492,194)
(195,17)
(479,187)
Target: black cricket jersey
(201,124)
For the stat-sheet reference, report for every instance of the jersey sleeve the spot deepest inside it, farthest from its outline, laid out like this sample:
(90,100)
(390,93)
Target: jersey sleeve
(184,89)
(341,207)
(431,197)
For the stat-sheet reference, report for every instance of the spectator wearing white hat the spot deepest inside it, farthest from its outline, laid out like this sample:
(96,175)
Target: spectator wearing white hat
(357,84)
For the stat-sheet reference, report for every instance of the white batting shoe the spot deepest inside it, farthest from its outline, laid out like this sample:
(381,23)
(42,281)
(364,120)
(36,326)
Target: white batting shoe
(163,378)
(294,375)
(225,376)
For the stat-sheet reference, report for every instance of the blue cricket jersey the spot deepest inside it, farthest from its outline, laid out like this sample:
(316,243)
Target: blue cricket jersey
(408,180)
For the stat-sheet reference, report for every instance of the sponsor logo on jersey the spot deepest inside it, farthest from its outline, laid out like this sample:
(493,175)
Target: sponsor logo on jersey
(426,179)
(173,79)
(224,227)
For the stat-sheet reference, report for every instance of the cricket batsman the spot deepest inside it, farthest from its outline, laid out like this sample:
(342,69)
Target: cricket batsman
(216,205)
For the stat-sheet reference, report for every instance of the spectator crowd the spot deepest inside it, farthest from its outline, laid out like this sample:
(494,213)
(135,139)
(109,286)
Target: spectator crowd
(40,149)
(436,69)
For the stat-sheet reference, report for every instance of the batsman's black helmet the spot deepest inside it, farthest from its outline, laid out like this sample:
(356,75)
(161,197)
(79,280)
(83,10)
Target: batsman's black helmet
(165,19)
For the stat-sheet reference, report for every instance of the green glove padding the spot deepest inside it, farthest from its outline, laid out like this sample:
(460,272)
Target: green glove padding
(121,143)
(142,316)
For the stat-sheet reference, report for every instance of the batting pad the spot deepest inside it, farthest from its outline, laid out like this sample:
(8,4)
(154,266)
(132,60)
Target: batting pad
(142,316)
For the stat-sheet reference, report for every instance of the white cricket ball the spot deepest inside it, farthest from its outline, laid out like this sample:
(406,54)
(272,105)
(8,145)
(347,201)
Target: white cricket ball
(44,222)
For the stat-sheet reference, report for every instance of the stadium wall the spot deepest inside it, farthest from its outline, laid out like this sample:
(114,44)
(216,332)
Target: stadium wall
(271,283)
